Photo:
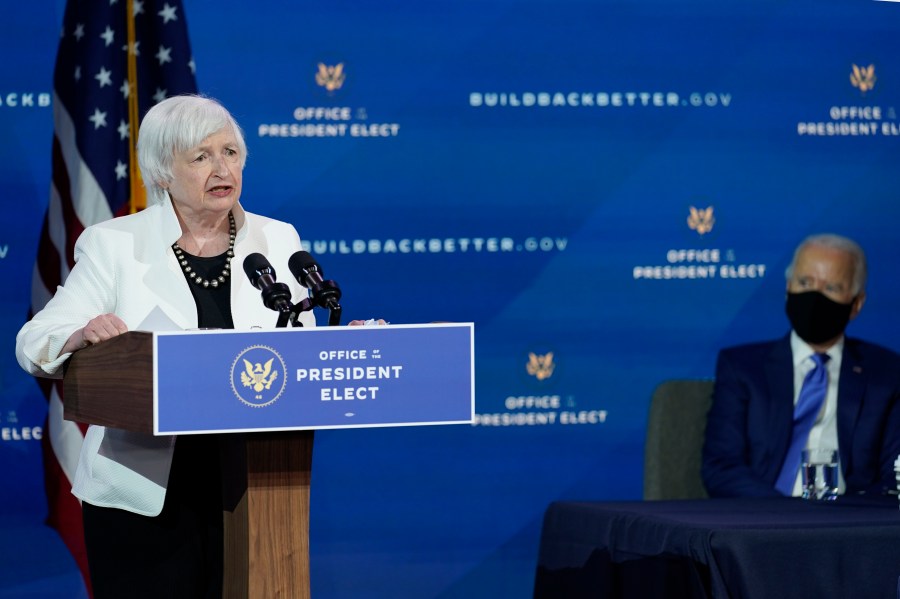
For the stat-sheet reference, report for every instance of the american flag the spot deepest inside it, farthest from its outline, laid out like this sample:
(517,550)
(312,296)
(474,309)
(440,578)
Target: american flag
(116,58)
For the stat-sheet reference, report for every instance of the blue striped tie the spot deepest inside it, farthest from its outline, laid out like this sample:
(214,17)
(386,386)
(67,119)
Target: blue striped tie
(812,395)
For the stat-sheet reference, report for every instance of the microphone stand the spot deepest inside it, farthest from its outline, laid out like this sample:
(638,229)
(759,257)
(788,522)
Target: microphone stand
(325,295)
(278,297)
(297,309)
(285,315)
(334,314)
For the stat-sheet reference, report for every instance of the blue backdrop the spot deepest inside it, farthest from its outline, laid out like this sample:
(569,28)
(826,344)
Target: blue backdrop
(610,190)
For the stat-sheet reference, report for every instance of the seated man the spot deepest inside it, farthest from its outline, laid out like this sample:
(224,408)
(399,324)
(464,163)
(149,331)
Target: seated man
(751,425)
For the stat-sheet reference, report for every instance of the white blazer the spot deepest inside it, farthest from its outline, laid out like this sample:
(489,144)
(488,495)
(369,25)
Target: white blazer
(126,266)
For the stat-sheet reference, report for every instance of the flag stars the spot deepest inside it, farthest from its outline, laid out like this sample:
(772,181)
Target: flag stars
(168,13)
(108,36)
(160,95)
(138,7)
(133,48)
(77,73)
(125,89)
(164,55)
(79,31)
(123,130)
(192,66)
(121,170)
(98,118)
(104,77)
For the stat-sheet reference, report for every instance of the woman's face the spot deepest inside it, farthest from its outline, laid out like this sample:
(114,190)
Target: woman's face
(207,178)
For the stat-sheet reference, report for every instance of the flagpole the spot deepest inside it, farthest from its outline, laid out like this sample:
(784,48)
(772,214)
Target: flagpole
(137,198)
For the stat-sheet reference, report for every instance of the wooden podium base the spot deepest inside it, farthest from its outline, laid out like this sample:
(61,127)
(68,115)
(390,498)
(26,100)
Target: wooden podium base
(267,533)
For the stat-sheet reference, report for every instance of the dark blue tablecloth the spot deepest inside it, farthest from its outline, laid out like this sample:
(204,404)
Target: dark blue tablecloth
(721,548)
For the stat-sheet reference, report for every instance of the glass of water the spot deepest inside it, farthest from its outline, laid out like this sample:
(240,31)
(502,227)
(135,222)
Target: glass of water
(819,468)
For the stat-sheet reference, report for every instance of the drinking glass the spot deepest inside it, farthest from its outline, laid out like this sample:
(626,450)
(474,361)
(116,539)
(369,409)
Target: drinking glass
(819,468)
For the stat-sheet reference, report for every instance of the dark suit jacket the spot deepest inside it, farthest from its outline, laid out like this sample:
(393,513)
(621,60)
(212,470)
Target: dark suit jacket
(749,425)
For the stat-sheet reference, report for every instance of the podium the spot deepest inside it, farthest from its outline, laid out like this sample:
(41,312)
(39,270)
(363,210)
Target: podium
(282,385)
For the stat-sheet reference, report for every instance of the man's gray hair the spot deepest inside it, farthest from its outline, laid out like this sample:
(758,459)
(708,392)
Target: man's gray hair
(174,125)
(837,242)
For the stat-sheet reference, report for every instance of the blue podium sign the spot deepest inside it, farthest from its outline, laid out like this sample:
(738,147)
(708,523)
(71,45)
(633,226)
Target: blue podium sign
(327,377)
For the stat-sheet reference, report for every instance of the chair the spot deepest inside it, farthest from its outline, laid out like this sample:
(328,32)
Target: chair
(675,430)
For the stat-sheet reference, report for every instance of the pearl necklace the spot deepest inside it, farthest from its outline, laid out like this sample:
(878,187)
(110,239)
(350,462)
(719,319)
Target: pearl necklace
(196,278)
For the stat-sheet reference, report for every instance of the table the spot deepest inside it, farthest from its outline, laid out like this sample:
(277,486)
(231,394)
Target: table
(721,548)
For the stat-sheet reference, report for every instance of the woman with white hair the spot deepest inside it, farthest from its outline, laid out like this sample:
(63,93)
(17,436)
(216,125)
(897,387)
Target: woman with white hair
(152,505)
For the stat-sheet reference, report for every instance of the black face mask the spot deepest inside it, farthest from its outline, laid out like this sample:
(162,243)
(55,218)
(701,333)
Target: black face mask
(816,318)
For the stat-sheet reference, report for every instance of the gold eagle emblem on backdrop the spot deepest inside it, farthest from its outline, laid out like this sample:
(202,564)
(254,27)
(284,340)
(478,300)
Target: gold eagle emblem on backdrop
(701,220)
(331,77)
(258,376)
(863,78)
(540,367)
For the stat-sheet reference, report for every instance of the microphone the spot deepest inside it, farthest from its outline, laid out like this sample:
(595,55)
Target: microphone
(276,296)
(309,274)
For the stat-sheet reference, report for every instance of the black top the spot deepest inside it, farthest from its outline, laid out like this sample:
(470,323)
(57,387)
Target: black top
(213,303)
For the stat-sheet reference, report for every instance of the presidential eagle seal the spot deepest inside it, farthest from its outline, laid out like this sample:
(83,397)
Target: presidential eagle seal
(258,376)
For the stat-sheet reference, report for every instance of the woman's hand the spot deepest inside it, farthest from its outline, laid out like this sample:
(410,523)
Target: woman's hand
(97,330)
